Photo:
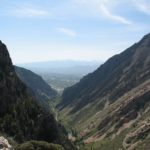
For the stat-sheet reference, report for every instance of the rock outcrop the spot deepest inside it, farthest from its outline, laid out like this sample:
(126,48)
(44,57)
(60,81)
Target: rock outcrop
(4,144)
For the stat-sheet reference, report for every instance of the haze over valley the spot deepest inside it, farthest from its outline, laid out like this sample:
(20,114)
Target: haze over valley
(75,75)
(62,74)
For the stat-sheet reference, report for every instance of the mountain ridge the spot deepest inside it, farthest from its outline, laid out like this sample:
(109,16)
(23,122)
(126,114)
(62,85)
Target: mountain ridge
(111,106)
(42,91)
(21,117)
(102,74)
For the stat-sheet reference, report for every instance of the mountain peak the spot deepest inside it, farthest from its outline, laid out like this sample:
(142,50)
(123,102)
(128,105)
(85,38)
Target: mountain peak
(5,60)
(147,35)
(145,40)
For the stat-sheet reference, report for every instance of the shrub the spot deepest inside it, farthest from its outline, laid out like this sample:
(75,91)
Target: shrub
(38,145)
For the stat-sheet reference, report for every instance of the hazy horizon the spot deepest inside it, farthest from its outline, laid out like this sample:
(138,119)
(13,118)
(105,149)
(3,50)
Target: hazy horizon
(60,61)
(75,29)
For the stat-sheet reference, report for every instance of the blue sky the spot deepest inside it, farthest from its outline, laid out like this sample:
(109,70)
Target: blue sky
(37,30)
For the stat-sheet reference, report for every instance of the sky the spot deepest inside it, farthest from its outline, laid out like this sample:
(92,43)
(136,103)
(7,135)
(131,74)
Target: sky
(37,30)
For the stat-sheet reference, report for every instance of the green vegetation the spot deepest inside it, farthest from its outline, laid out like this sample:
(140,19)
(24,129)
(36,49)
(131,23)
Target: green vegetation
(38,145)
(21,116)
(144,145)
(61,81)
(107,143)
(114,98)
(106,110)
(41,90)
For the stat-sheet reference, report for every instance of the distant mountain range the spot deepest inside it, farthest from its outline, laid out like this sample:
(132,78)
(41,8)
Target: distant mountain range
(111,106)
(66,67)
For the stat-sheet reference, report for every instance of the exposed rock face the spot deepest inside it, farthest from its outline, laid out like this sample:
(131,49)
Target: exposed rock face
(4,145)
(114,98)
(20,115)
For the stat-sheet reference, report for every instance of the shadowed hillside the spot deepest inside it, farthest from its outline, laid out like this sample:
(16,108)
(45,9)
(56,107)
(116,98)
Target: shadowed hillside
(43,92)
(20,116)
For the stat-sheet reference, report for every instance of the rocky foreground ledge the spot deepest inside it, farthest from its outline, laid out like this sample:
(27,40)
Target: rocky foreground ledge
(4,145)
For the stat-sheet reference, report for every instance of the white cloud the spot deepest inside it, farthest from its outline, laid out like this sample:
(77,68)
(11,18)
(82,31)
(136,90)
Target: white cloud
(29,12)
(106,13)
(144,8)
(105,8)
(66,31)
